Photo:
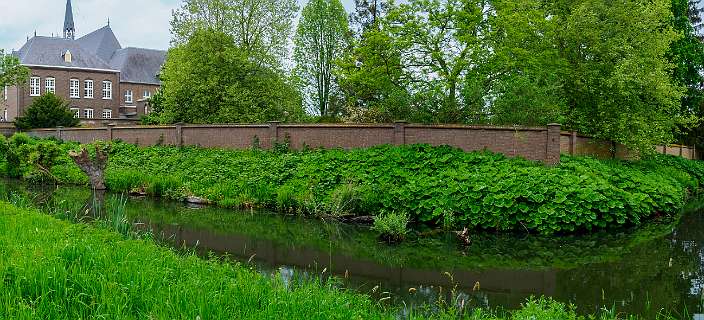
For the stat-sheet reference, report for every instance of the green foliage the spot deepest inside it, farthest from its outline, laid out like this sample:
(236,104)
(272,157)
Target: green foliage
(11,71)
(321,36)
(616,91)
(210,79)
(687,56)
(260,28)
(594,66)
(370,75)
(47,111)
(29,158)
(476,189)
(392,226)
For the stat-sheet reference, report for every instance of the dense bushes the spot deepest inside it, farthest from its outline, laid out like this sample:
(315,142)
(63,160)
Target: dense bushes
(433,185)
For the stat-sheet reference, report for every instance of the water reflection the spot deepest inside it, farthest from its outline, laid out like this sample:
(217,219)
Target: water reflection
(658,266)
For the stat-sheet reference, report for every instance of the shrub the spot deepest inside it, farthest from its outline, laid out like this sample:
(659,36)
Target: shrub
(47,111)
(391,226)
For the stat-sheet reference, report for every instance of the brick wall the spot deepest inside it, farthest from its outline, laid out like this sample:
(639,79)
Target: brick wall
(540,144)
(573,143)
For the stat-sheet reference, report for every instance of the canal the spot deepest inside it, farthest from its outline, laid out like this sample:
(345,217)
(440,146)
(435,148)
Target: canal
(654,268)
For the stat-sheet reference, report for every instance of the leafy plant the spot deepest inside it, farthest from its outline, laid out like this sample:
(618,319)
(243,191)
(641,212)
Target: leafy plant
(435,186)
(392,226)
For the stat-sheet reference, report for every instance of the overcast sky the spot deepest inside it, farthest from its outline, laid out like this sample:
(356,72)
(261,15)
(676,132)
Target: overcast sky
(136,23)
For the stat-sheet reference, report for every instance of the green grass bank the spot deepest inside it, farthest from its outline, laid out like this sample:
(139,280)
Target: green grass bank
(437,186)
(53,269)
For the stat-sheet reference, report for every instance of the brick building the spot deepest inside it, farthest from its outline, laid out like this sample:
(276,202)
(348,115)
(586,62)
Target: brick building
(101,80)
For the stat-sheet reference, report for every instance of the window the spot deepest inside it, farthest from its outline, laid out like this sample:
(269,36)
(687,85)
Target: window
(76,112)
(35,86)
(74,88)
(128,96)
(107,90)
(88,89)
(147,94)
(50,85)
(107,114)
(88,113)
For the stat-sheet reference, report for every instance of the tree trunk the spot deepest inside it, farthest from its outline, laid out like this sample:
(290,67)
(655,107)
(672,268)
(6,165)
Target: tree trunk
(93,168)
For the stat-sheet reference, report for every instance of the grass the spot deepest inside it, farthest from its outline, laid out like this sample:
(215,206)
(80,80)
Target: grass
(53,269)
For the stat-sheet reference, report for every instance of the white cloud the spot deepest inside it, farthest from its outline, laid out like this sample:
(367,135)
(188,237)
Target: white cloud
(136,23)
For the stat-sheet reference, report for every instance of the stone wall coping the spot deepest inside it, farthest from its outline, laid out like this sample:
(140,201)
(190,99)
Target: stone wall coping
(460,126)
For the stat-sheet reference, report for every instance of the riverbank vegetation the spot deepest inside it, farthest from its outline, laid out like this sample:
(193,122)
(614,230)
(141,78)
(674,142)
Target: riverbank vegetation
(52,269)
(436,186)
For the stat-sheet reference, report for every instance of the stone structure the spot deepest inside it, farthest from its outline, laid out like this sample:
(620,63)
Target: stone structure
(539,143)
(544,144)
(101,80)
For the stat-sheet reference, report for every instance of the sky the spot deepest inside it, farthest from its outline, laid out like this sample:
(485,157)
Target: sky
(136,23)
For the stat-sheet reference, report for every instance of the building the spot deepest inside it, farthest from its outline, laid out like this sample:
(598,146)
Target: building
(101,80)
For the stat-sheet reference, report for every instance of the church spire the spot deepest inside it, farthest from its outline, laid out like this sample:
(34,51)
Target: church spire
(69,28)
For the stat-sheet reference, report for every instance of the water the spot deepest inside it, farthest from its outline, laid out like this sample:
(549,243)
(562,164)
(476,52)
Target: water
(657,267)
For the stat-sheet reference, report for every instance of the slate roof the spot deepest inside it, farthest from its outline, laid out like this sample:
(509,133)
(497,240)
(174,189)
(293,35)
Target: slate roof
(101,42)
(49,51)
(99,49)
(138,65)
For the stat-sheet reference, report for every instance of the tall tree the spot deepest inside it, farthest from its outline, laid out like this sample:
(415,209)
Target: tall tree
(687,56)
(11,71)
(261,28)
(373,80)
(367,14)
(320,40)
(618,86)
(210,79)
(440,42)
(523,77)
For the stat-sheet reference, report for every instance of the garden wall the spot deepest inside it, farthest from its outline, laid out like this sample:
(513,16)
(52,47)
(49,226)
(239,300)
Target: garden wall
(540,143)
(573,143)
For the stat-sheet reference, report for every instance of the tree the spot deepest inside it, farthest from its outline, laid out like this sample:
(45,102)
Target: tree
(47,111)
(367,14)
(321,37)
(210,79)
(524,74)
(11,72)
(440,42)
(372,79)
(618,86)
(687,56)
(260,28)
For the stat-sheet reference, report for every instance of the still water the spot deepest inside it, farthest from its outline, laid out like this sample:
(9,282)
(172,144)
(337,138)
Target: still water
(657,267)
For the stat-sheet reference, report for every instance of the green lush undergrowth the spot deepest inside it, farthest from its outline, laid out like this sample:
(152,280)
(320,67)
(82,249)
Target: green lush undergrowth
(53,269)
(439,186)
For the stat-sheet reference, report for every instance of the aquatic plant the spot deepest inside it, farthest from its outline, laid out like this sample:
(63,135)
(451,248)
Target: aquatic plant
(391,226)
